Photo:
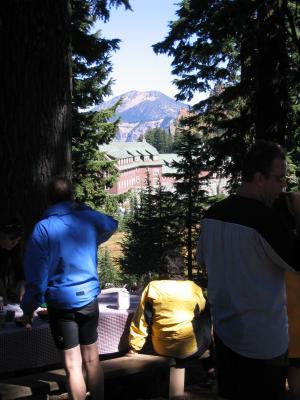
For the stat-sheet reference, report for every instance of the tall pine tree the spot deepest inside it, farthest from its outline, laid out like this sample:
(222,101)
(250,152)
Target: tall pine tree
(92,171)
(139,248)
(108,273)
(159,138)
(151,229)
(189,177)
(37,41)
(249,52)
(35,110)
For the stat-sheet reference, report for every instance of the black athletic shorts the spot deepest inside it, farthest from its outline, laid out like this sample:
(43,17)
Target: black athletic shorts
(76,326)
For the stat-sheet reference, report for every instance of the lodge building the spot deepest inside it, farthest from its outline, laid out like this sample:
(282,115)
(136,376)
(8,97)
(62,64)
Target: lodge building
(134,159)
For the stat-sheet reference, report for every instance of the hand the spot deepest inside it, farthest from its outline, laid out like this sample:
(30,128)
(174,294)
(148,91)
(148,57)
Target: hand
(131,353)
(21,289)
(25,320)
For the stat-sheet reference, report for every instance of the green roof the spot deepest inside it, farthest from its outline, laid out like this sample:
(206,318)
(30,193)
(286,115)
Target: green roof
(167,160)
(139,164)
(119,150)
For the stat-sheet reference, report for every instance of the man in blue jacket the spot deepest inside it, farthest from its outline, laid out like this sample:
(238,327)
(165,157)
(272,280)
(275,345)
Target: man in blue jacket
(61,268)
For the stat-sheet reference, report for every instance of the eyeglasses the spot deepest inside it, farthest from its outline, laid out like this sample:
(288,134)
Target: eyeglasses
(279,178)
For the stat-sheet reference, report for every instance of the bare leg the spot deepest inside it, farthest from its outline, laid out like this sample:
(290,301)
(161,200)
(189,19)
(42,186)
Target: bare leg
(94,372)
(294,383)
(73,366)
(176,384)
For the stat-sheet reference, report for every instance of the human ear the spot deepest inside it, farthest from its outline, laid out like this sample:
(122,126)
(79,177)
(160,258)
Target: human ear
(258,179)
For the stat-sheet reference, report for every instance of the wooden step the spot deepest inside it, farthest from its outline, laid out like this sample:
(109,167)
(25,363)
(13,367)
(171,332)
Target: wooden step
(54,381)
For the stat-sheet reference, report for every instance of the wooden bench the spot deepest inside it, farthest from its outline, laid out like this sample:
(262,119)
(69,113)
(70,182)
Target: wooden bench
(54,381)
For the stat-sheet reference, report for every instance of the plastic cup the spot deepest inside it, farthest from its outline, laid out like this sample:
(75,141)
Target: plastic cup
(123,300)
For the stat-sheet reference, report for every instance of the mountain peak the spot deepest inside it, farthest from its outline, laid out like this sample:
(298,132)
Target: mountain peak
(141,111)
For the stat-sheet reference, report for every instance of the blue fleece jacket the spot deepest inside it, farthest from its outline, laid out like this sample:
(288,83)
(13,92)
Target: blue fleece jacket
(61,257)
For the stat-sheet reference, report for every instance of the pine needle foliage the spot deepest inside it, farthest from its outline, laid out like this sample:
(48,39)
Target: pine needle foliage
(191,176)
(91,68)
(149,231)
(246,56)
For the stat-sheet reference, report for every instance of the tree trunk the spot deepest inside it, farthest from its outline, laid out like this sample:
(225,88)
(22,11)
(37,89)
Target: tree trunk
(189,235)
(35,111)
(271,73)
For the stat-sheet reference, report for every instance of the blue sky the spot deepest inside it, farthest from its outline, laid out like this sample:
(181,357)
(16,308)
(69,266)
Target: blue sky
(135,65)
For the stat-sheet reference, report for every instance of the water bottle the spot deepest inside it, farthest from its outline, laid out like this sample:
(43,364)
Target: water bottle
(123,299)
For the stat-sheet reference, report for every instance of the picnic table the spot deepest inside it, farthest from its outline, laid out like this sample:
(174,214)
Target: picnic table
(22,349)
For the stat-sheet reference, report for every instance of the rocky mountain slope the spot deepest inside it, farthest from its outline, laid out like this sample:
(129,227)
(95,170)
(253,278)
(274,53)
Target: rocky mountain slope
(141,111)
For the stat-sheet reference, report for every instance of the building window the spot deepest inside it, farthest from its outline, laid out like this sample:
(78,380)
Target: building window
(156,172)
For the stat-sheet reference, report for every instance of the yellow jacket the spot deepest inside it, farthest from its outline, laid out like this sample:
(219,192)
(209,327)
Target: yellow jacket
(177,327)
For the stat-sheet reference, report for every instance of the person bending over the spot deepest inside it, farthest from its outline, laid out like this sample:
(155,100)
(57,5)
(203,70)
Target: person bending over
(173,310)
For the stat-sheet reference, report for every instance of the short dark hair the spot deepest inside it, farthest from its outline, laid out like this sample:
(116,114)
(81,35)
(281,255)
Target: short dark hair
(59,189)
(172,264)
(259,159)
